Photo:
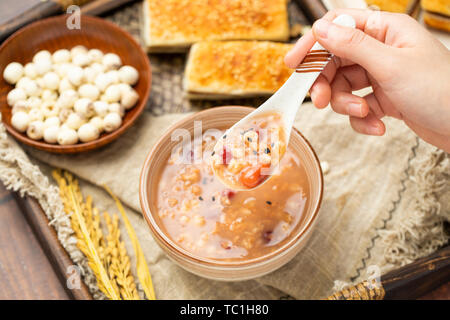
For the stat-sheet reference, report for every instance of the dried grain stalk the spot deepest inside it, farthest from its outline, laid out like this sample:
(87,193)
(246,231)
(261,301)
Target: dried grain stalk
(142,271)
(119,264)
(108,258)
(85,222)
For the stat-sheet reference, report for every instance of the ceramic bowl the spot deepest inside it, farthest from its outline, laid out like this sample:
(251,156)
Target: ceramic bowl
(223,118)
(52,34)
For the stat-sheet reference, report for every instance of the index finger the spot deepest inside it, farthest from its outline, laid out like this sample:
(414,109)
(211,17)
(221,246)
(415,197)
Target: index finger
(301,48)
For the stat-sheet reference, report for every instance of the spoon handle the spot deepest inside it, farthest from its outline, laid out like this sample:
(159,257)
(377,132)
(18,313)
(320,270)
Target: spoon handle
(315,61)
(318,57)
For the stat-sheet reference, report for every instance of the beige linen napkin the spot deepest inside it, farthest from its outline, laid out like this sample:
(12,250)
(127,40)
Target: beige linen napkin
(374,210)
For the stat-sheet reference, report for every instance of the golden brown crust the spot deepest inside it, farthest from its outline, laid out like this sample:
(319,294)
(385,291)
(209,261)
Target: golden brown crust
(179,23)
(400,6)
(235,68)
(436,21)
(438,6)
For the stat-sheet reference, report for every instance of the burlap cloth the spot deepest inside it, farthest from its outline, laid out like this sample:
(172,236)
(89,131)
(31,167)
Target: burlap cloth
(386,200)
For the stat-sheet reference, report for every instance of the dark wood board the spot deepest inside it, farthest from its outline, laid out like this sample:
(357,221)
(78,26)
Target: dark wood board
(25,271)
(48,239)
(33,263)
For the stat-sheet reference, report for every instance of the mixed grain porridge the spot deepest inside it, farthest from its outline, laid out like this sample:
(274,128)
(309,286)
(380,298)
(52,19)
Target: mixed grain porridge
(247,156)
(206,218)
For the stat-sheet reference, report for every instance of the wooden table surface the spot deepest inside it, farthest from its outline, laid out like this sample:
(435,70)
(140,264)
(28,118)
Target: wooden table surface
(27,273)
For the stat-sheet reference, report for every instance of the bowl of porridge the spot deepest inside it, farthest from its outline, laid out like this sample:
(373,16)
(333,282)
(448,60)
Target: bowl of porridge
(216,231)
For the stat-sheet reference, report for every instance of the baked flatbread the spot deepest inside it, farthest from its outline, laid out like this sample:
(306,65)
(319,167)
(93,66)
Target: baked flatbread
(173,25)
(437,14)
(411,7)
(233,69)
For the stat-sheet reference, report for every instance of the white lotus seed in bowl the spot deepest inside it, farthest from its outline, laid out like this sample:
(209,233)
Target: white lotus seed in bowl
(96,55)
(13,72)
(51,80)
(74,121)
(67,136)
(129,75)
(30,70)
(111,61)
(32,89)
(77,50)
(63,69)
(112,93)
(51,134)
(67,99)
(75,75)
(70,95)
(21,105)
(88,132)
(89,91)
(52,122)
(89,74)
(97,122)
(84,107)
(36,130)
(102,81)
(15,95)
(81,60)
(116,108)
(34,102)
(64,85)
(23,82)
(113,76)
(112,121)
(42,55)
(61,55)
(43,66)
(36,115)
(129,99)
(20,121)
(49,95)
(49,109)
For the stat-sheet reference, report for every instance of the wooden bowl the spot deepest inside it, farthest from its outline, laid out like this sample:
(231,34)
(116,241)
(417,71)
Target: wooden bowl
(52,34)
(222,118)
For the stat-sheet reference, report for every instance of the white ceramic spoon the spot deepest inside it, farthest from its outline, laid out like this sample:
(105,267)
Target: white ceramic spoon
(287,100)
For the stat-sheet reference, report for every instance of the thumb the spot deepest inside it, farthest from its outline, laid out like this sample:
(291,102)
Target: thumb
(354,45)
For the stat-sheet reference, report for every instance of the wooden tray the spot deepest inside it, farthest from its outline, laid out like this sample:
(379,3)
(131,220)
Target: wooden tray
(49,242)
(426,278)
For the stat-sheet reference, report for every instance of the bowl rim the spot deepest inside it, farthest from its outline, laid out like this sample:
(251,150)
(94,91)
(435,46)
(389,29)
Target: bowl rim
(107,138)
(158,233)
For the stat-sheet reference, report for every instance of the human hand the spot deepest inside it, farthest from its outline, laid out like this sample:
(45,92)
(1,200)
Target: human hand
(407,68)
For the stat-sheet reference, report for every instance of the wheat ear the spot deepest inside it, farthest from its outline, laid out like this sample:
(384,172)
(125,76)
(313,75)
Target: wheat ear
(119,264)
(143,273)
(73,202)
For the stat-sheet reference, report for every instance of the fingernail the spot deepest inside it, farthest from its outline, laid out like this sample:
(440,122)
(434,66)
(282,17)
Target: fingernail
(320,28)
(375,130)
(312,94)
(355,109)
